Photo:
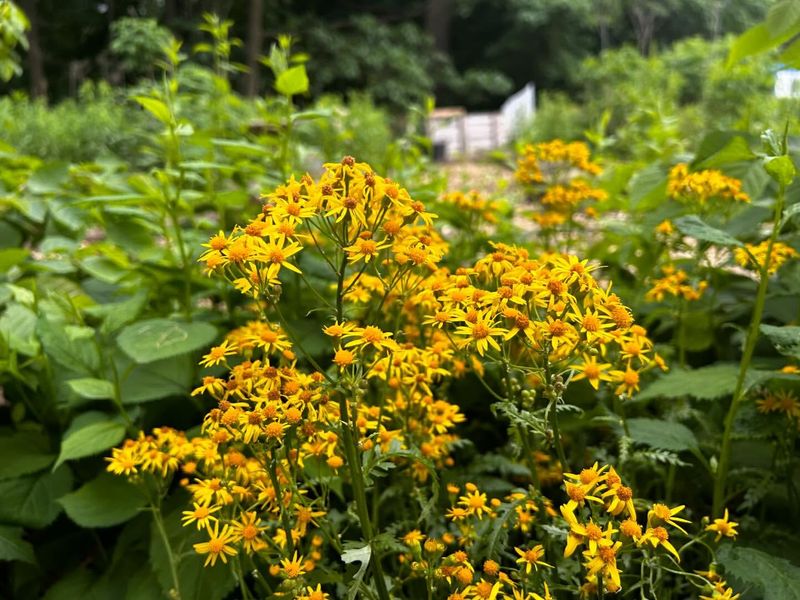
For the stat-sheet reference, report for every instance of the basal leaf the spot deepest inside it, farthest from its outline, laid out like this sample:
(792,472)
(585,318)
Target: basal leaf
(661,434)
(785,339)
(91,439)
(105,501)
(13,547)
(24,452)
(155,339)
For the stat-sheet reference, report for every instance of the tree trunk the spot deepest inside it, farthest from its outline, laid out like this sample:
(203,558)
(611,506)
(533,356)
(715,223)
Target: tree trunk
(35,55)
(255,36)
(437,23)
(644,22)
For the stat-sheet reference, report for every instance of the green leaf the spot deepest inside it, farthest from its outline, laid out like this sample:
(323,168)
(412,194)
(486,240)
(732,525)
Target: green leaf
(790,212)
(156,380)
(706,383)
(785,339)
(663,435)
(32,501)
(292,81)
(92,389)
(103,502)
(10,257)
(772,577)
(13,547)
(693,226)
(91,439)
(18,328)
(71,346)
(155,107)
(780,168)
(155,339)
(718,149)
(24,452)
(783,18)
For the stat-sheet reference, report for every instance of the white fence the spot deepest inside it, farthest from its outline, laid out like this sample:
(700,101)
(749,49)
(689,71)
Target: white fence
(458,133)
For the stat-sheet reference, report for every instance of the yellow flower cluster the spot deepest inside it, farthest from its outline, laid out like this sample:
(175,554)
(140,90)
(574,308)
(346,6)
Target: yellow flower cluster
(703,187)
(473,203)
(364,213)
(446,558)
(613,528)
(538,159)
(779,255)
(548,313)
(551,174)
(675,283)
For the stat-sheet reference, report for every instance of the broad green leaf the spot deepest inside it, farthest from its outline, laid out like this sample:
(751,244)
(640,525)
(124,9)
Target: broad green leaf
(693,226)
(785,339)
(720,149)
(706,383)
(24,452)
(91,439)
(103,502)
(770,576)
(10,257)
(18,328)
(663,435)
(92,389)
(292,81)
(13,547)
(783,18)
(71,346)
(780,168)
(155,339)
(156,380)
(648,187)
(31,501)
(49,178)
(155,107)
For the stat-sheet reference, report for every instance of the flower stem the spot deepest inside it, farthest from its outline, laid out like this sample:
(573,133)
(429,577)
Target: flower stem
(173,567)
(750,345)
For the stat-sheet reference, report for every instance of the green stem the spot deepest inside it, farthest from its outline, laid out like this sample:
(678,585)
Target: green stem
(276,485)
(173,567)
(750,345)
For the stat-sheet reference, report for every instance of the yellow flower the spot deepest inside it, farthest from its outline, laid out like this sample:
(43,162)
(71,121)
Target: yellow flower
(294,567)
(604,561)
(217,354)
(218,546)
(723,527)
(202,515)
(481,333)
(531,558)
(365,249)
(249,531)
(658,536)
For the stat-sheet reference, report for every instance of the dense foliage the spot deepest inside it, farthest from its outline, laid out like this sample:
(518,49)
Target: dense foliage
(261,347)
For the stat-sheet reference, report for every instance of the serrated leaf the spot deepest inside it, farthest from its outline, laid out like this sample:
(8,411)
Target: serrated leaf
(693,226)
(790,212)
(773,577)
(706,383)
(24,452)
(103,502)
(92,389)
(156,339)
(91,439)
(31,501)
(361,555)
(662,435)
(785,339)
(13,547)
(18,328)
(69,345)
(156,380)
